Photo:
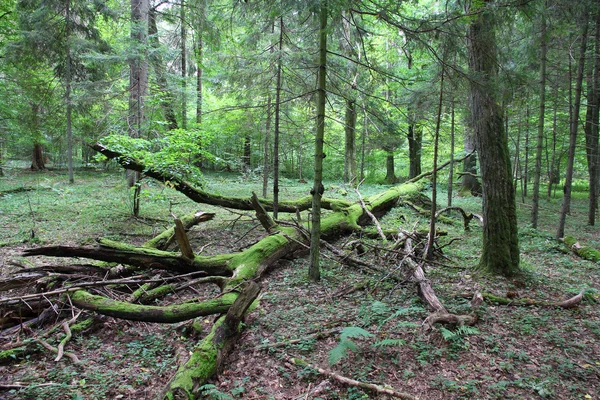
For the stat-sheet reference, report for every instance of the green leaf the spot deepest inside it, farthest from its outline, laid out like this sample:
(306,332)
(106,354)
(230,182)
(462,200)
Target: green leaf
(354,332)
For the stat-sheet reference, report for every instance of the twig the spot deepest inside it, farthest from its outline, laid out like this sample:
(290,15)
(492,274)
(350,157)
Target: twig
(316,335)
(82,285)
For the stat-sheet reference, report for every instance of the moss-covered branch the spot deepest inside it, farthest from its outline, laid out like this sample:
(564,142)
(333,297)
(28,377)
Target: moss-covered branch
(142,257)
(166,314)
(585,252)
(210,353)
(200,196)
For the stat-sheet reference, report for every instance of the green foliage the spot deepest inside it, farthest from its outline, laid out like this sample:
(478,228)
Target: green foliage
(210,391)
(459,333)
(177,153)
(341,350)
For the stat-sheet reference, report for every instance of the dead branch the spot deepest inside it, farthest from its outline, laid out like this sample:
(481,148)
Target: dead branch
(182,240)
(467,217)
(316,335)
(351,382)
(265,219)
(370,214)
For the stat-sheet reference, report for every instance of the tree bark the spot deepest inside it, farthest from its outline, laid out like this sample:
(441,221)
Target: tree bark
(68,99)
(277,123)
(470,183)
(314,273)
(166,95)
(390,173)
(566,204)
(540,136)
(183,65)
(350,175)
(591,129)
(500,254)
(37,160)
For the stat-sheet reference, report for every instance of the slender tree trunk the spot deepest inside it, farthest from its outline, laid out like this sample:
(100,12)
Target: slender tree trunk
(158,64)
(350,143)
(247,153)
(566,204)
(138,83)
(553,176)
(362,146)
(314,272)
(526,162)
(68,94)
(415,134)
(451,166)
(183,67)
(500,254)
(277,123)
(267,143)
(431,236)
(591,129)
(470,183)
(540,136)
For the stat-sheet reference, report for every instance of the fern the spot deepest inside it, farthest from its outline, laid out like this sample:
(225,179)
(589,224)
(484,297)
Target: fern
(459,333)
(390,342)
(402,311)
(354,332)
(210,391)
(340,351)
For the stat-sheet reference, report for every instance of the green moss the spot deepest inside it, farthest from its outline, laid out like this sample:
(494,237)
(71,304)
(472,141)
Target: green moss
(201,365)
(7,356)
(167,314)
(585,252)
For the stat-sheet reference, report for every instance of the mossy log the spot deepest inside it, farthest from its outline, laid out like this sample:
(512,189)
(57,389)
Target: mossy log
(208,356)
(203,197)
(167,314)
(141,257)
(585,252)
(571,302)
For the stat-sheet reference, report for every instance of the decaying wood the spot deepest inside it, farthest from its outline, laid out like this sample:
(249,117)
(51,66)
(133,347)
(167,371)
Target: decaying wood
(141,257)
(162,241)
(527,302)
(182,240)
(351,382)
(467,217)
(265,219)
(425,290)
(585,252)
(208,356)
(371,216)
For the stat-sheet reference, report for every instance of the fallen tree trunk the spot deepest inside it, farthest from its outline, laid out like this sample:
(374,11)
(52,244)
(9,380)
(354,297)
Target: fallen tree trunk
(209,354)
(141,257)
(571,302)
(585,252)
(201,196)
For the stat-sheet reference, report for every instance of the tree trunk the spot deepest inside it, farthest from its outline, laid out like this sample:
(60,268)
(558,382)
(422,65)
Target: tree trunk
(390,173)
(183,66)
(267,144)
(37,162)
(525,176)
(247,153)
(500,254)
(540,137)
(553,175)
(314,272)
(431,236)
(566,204)
(158,64)
(591,129)
(451,168)
(470,183)
(138,84)
(68,79)
(415,134)
(350,143)
(277,123)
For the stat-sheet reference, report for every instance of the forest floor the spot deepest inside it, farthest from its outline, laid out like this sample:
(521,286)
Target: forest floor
(513,352)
